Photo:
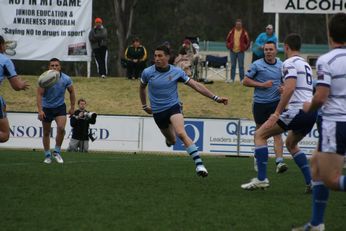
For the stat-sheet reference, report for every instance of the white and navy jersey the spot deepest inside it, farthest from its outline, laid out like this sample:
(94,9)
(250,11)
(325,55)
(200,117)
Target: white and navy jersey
(331,72)
(296,67)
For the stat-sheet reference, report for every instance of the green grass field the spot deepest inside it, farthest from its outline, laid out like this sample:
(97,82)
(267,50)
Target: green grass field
(117,191)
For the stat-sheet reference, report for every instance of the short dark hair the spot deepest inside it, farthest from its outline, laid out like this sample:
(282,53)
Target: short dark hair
(2,40)
(54,60)
(136,39)
(81,100)
(294,41)
(337,28)
(163,48)
(271,42)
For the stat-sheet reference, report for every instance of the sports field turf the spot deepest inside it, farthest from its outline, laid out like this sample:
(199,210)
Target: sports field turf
(113,191)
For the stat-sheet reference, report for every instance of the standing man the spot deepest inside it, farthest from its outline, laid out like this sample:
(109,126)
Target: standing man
(136,56)
(80,122)
(297,90)
(98,40)
(265,76)
(51,106)
(257,47)
(237,42)
(162,80)
(7,69)
(328,160)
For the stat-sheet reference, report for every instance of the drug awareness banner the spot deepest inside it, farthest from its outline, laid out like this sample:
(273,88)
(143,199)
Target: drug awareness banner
(42,29)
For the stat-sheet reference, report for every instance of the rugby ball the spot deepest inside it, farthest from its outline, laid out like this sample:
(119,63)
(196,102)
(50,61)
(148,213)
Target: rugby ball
(48,78)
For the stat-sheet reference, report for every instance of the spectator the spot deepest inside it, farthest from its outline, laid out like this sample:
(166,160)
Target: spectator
(98,40)
(136,57)
(237,42)
(80,122)
(187,57)
(51,106)
(7,70)
(184,61)
(257,47)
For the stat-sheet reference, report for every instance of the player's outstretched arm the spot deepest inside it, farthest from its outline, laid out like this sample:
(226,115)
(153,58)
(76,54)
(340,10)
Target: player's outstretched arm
(18,84)
(206,92)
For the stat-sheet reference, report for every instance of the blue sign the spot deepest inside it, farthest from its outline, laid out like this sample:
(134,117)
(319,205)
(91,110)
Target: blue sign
(195,130)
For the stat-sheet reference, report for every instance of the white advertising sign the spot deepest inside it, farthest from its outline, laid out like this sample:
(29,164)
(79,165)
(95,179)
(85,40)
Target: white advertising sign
(304,6)
(132,134)
(111,133)
(43,29)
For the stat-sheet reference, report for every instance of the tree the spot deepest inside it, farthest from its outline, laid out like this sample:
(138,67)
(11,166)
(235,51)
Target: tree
(123,19)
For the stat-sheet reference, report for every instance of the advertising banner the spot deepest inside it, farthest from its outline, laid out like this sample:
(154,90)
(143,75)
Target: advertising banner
(43,29)
(111,133)
(304,6)
(233,137)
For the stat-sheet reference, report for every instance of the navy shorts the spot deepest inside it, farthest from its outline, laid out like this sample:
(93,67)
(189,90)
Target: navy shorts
(297,120)
(162,119)
(51,113)
(2,108)
(332,137)
(262,111)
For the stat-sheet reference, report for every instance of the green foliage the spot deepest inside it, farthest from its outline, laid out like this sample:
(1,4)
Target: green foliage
(99,191)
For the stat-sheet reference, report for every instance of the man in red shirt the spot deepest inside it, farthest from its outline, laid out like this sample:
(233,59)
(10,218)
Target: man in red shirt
(237,42)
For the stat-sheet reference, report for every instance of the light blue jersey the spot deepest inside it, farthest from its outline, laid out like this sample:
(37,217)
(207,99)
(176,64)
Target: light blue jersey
(162,86)
(6,68)
(55,96)
(261,71)
(261,40)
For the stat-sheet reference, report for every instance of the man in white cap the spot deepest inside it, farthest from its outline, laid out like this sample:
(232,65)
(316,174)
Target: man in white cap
(257,47)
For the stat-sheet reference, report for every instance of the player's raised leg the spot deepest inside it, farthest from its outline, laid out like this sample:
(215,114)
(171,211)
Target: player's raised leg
(169,135)
(177,121)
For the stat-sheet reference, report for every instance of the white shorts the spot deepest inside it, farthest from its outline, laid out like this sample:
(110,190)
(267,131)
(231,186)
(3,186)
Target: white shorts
(332,137)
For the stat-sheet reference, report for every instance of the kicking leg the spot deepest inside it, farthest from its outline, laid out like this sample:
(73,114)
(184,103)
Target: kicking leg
(177,121)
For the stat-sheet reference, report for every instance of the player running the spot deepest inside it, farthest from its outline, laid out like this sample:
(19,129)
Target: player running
(328,160)
(7,69)
(162,81)
(297,90)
